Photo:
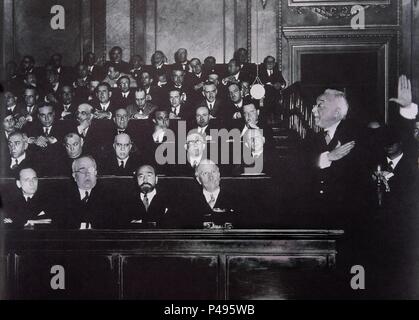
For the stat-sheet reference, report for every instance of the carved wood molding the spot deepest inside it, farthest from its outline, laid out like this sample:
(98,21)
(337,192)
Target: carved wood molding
(334,12)
(295,3)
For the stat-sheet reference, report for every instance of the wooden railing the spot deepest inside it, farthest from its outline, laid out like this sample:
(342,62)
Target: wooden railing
(296,111)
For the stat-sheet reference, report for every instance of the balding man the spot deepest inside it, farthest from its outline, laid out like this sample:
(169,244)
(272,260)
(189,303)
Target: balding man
(26,206)
(210,202)
(122,162)
(195,147)
(87,204)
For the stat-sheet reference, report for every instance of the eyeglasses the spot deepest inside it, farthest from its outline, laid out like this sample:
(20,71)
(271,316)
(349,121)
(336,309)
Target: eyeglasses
(85,171)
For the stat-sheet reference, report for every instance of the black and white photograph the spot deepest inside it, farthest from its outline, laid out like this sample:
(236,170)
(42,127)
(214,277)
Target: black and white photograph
(209,150)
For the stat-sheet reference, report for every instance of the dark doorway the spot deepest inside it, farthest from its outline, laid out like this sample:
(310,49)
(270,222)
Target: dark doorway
(354,73)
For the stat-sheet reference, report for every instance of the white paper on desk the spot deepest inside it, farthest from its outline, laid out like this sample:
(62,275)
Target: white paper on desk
(39,221)
(42,213)
(137,221)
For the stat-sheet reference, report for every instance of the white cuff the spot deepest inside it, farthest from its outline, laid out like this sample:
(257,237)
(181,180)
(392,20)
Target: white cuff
(324,162)
(409,112)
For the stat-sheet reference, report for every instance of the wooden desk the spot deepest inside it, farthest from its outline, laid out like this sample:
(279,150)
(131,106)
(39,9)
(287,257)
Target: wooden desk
(172,264)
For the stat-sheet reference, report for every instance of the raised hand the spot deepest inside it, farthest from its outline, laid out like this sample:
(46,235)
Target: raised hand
(341,151)
(404,92)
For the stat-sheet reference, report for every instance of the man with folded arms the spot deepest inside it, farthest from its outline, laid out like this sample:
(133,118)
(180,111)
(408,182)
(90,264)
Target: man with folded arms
(26,206)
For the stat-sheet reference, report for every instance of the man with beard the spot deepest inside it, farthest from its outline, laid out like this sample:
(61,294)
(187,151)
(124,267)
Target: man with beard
(147,206)
(87,204)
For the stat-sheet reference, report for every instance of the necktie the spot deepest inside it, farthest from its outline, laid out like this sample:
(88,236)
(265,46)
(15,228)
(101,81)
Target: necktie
(86,197)
(210,106)
(46,131)
(174,110)
(390,166)
(211,201)
(145,202)
(15,165)
(121,165)
(121,131)
(327,137)
(84,132)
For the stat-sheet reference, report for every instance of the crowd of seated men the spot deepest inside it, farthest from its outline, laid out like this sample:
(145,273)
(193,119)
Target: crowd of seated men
(196,120)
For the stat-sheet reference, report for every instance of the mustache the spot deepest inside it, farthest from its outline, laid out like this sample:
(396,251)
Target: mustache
(146,184)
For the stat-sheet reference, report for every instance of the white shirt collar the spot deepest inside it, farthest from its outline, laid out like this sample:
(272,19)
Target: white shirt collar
(124,161)
(158,136)
(202,129)
(191,160)
(208,194)
(12,108)
(395,161)
(240,104)
(150,195)
(19,160)
(105,106)
(332,130)
(83,193)
(125,94)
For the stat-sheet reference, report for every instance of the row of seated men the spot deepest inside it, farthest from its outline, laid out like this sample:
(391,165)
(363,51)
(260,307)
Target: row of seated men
(119,145)
(144,202)
(187,76)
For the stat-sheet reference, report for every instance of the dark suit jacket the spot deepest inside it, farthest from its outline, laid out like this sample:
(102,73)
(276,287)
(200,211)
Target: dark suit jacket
(20,211)
(112,107)
(99,138)
(124,66)
(111,166)
(60,109)
(100,211)
(275,77)
(160,208)
(218,109)
(194,209)
(119,101)
(336,190)
(28,162)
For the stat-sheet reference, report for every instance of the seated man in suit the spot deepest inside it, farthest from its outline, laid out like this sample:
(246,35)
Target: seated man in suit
(105,108)
(203,122)
(67,107)
(235,74)
(197,77)
(209,204)
(181,60)
(114,74)
(73,144)
(124,95)
(142,108)
(53,87)
(9,123)
(254,156)
(29,108)
(97,135)
(179,108)
(19,157)
(155,94)
(115,57)
(235,107)
(94,69)
(27,206)
(214,104)
(195,147)
(122,162)
(121,121)
(210,65)
(88,204)
(241,56)
(178,82)
(65,73)
(11,103)
(136,67)
(159,65)
(81,84)
(46,137)
(148,205)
